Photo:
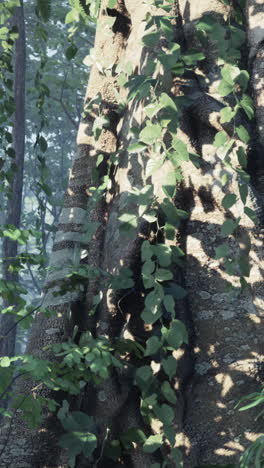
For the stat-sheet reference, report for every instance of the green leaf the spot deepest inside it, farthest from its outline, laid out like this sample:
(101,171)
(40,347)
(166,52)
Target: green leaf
(128,221)
(42,142)
(133,435)
(243,133)
(169,231)
(220,139)
(243,192)
(153,443)
(72,17)
(167,102)
(112,4)
(226,114)
(181,149)
(146,251)
(243,79)
(153,300)
(163,275)
(149,317)
(222,251)
(177,457)
(113,449)
(229,73)
(71,51)
(229,200)
(251,214)
(169,304)
(153,165)
(244,265)
(247,105)
(228,227)
(168,392)
(242,157)
(225,88)
(164,413)
(169,366)
(163,254)
(150,134)
(193,56)
(136,147)
(152,109)
(153,345)
(5,361)
(177,334)
(151,39)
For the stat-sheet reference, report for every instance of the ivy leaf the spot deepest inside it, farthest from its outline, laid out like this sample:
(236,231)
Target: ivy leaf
(151,39)
(176,456)
(163,275)
(153,165)
(71,51)
(243,192)
(181,149)
(153,299)
(111,4)
(221,251)
(133,435)
(152,109)
(247,105)
(220,139)
(226,114)
(228,227)
(244,265)
(153,345)
(177,334)
(242,157)
(168,392)
(229,73)
(164,413)
(150,134)
(163,254)
(113,449)
(243,79)
(146,251)
(42,142)
(243,133)
(5,362)
(169,304)
(169,366)
(225,88)
(251,214)
(153,443)
(229,200)
(149,317)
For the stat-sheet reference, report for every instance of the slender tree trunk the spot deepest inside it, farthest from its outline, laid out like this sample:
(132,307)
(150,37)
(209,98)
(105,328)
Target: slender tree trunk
(10,248)
(224,358)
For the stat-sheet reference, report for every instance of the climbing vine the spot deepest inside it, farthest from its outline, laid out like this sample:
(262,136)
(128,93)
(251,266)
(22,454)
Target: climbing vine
(151,360)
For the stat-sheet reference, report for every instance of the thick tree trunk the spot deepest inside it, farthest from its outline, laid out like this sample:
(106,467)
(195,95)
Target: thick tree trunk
(10,248)
(224,359)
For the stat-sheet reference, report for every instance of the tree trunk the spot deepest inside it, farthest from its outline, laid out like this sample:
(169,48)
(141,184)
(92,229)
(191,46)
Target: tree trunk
(224,358)
(10,248)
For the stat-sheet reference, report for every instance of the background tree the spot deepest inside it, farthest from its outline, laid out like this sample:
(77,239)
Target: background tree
(178,137)
(14,203)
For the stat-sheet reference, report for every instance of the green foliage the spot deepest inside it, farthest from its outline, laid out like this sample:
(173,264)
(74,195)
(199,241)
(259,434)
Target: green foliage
(93,360)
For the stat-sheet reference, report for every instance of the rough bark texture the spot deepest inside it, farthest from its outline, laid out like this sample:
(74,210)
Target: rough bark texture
(226,329)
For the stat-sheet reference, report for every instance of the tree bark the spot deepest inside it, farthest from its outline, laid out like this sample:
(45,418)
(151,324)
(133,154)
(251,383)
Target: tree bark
(10,248)
(223,361)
